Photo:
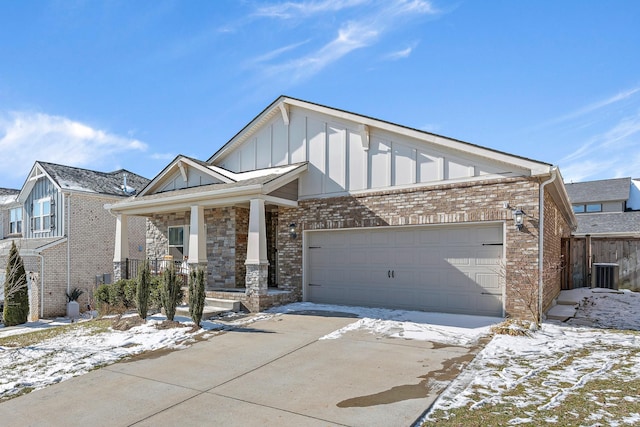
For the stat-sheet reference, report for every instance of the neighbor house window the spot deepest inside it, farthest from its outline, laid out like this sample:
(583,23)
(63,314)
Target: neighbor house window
(15,221)
(593,207)
(176,242)
(41,217)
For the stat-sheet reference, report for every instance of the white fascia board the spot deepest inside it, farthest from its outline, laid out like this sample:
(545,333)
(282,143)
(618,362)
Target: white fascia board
(31,181)
(279,201)
(174,165)
(558,183)
(249,129)
(203,198)
(284,179)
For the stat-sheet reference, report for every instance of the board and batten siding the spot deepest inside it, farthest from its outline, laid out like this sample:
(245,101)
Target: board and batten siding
(194,179)
(339,161)
(44,189)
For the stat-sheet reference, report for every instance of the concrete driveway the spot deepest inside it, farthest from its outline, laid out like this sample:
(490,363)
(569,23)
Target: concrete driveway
(275,372)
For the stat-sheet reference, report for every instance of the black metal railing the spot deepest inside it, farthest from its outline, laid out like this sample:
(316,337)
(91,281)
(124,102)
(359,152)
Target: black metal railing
(157,267)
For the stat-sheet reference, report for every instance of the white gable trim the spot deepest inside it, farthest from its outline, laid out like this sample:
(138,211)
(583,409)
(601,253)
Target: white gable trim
(366,124)
(37,172)
(182,164)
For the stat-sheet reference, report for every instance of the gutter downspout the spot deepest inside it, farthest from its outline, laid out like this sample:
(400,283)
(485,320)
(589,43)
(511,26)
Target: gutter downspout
(68,229)
(554,174)
(39,255)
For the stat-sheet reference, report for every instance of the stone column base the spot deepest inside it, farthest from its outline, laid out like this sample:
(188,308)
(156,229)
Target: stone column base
(257,279)
(118,269)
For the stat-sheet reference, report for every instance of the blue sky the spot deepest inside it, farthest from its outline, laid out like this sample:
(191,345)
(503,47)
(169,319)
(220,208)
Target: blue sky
(130,84)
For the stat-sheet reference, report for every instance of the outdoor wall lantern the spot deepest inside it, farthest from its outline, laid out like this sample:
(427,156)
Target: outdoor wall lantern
(292,230)
(518,218)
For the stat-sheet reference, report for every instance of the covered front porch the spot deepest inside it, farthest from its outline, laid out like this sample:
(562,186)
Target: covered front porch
(229,229)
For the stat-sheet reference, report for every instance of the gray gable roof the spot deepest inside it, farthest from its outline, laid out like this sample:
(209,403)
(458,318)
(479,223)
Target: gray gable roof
(609,223)
(78,179)
(606,190)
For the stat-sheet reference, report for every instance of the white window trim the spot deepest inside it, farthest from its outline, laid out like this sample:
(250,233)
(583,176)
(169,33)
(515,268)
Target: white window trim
(185,238)
(13,224)
(42,216)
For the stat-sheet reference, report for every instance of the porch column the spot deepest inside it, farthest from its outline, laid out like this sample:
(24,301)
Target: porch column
(121,252)
(257,263)
(197,238)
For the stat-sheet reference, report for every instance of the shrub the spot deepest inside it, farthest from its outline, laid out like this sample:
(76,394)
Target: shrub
(117,297)
(171,292)
(196,295)
(143,290)
(16,296)
(155,293)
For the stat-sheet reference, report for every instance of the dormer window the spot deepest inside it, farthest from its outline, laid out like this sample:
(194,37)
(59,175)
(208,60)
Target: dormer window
(41,217)
(15,221)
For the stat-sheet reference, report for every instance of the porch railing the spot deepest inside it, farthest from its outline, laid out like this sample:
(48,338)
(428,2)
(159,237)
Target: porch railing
(157,266)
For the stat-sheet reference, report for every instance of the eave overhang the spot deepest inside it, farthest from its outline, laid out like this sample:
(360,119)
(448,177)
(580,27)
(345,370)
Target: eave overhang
(209,196)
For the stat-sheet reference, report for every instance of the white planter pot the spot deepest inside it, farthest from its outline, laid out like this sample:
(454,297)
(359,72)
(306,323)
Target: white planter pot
(73,310)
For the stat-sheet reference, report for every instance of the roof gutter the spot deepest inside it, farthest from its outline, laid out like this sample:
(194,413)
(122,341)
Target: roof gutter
(554,174)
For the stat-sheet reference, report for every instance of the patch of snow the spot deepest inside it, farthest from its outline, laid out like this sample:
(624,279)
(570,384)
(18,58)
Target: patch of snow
(453,329)
(562,357)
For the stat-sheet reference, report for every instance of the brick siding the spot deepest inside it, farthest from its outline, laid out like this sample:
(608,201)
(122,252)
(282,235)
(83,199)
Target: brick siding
(444,204)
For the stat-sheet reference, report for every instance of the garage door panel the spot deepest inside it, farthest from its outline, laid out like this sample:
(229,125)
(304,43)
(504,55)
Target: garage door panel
(443,268)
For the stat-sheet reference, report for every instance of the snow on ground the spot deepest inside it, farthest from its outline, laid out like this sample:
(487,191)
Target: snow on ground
(453,329)
(569,354)
(557,361)
(78,351)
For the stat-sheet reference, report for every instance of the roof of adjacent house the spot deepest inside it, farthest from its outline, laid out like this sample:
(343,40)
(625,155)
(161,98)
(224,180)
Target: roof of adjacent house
(8,195)
(90,181)
(8,191)
(605,190)
(609,223)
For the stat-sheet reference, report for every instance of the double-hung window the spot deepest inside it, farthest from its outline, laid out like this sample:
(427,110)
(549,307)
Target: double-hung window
(176,242)
(15,221)
(41,217)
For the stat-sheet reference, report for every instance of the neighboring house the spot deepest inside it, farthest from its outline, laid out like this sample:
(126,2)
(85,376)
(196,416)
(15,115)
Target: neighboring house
(63,232)
(317,204)
(605,247)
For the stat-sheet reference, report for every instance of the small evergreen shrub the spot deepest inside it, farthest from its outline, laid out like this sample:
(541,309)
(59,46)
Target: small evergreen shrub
(196,295)
(16,293)
(143,290)
(117,297)
(171,292)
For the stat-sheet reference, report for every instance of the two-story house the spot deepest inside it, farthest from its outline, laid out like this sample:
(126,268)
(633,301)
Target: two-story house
(604,249)
(64,234)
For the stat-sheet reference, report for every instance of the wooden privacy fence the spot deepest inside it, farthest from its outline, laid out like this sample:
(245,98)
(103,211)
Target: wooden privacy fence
(603,256)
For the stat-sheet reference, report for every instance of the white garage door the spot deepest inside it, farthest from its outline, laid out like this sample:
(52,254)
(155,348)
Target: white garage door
(452,269)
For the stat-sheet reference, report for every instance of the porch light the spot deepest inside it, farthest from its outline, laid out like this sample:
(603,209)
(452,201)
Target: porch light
(292,230)
(518,218)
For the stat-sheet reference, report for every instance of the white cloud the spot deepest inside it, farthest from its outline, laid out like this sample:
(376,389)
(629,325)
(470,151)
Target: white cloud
(596,106)
(290,10)
(374,19)
(26,137)
(277,52)
(352,36)
(163,156)
(400,54)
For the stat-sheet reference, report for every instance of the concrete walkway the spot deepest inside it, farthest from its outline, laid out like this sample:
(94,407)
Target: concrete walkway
(274,373)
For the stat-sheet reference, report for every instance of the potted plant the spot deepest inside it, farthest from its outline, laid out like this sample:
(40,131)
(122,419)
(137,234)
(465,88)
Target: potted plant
(73,308)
